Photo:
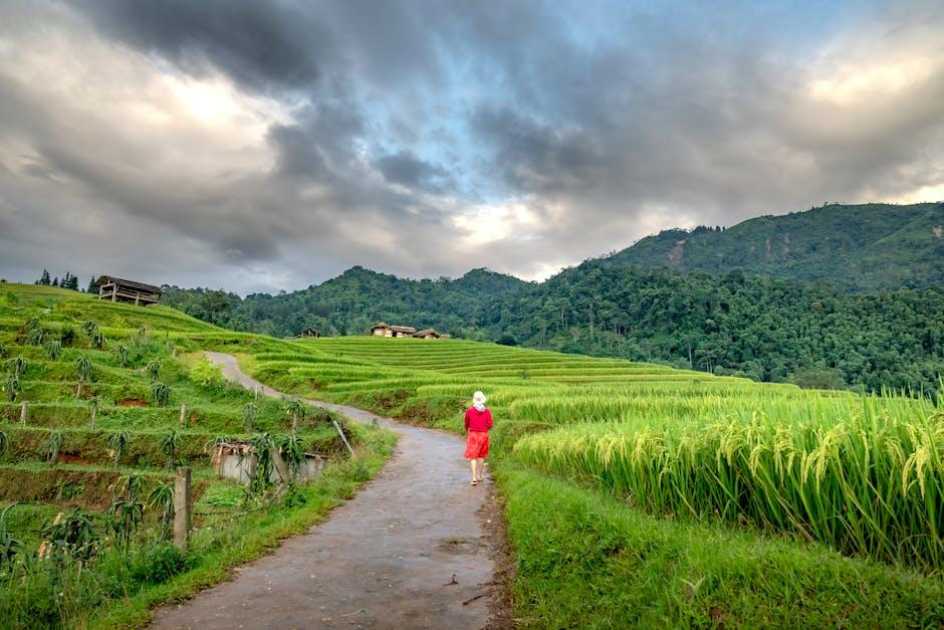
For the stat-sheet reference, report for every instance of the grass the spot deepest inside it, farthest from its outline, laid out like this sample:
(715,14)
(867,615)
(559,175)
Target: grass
(584,560)
(86,395)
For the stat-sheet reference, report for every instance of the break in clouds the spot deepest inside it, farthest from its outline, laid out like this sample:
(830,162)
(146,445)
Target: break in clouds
(270,145)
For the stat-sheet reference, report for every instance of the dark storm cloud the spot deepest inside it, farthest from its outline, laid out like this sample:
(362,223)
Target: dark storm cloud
(424,138)
(260,44)
(408,170)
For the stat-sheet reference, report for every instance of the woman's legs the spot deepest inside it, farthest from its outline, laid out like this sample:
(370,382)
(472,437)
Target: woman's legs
(481,468)
(474,463)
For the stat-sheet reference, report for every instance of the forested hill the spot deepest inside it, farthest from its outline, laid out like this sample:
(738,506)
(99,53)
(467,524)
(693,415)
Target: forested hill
(764,328)
(351,303)
(859,247)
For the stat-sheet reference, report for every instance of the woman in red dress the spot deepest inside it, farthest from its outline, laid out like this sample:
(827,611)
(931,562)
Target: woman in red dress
(478,420)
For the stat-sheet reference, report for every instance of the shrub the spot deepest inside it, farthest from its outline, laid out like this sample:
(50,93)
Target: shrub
(121,354)
(155,564)
(154,369)
(160,394)
(67,336)
(207,374)
(53,349)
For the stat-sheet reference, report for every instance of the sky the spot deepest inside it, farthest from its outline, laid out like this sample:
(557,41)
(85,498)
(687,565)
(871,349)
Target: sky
(267,146)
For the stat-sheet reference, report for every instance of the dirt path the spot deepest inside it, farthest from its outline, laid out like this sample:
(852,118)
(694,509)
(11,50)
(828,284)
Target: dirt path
(382,560)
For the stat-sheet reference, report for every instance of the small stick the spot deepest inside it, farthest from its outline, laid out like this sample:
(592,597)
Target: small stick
(183,415)
(24,412)
(343,438)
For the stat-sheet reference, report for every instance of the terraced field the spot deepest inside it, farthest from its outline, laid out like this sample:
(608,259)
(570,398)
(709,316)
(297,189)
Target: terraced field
(662,497)
(100,403)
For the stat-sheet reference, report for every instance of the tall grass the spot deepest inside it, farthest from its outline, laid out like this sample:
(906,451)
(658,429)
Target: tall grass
(870,483)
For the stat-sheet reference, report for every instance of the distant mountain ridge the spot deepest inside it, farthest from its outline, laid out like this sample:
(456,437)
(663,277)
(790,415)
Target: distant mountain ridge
(860,247)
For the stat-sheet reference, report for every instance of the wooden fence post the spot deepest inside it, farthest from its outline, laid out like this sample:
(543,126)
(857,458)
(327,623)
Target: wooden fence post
(343,437)
(183,416)
(24,412)
(182,507)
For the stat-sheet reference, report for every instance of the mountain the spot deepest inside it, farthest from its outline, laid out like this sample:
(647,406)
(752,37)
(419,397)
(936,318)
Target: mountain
(857,247)
(688,298)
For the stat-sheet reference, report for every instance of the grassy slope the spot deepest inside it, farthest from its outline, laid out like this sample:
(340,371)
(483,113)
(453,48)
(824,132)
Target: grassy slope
(586,559)
(110,593)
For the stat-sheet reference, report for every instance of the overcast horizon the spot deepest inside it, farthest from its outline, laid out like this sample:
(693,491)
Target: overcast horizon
(269,146)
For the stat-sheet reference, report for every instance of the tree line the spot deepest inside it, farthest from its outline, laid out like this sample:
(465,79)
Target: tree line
(733,324)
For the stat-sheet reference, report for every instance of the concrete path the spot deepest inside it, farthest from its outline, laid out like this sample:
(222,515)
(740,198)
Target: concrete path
(385,559)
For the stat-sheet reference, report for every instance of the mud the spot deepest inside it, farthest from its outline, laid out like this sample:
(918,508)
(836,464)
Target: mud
(409,551)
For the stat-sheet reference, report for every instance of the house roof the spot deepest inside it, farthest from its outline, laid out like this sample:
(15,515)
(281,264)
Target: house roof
(403,329)
(380,325)
(131,284)
(426,331)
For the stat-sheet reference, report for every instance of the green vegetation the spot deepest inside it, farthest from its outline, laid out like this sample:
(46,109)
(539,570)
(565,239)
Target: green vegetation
(101,401)
(765,329)
(674,498)
(867,246)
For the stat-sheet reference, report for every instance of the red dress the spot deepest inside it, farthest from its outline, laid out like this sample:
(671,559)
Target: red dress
(477,423)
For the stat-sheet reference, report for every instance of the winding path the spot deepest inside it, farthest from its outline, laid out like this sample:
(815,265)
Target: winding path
(384,559)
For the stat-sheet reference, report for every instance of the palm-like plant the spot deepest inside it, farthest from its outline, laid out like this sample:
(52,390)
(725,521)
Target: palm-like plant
(18,366)
(73,535)
(11,386)
(250,413)
(94,404)
(89,327)
(53,349)
(83,370)
(124,516)
(169,445)
(160,394)
(162,498)
(298,410)
(98,340)
(261,479)
(35,334)
(9,546)
(292,452)
(118,442)
(121,353)
(52,446)
(153,369)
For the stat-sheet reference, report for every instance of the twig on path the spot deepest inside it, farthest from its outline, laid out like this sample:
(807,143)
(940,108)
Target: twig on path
(472,599)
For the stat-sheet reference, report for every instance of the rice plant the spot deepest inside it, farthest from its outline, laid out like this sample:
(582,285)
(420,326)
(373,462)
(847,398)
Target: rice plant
(866,484)
(160,394)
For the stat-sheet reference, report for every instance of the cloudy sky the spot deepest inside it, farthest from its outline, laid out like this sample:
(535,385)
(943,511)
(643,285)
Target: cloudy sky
(271,145)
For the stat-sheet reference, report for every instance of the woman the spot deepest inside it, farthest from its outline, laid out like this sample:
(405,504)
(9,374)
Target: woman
(478,420)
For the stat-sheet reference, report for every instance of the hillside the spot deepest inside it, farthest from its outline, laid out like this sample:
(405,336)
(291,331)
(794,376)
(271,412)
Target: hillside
(351,303)
(859,247)
(99,403)
(763,328)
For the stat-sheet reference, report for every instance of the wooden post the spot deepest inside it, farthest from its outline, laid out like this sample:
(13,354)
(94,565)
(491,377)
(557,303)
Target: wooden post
(343,437)
(183,416)
(182,506)
(24,412)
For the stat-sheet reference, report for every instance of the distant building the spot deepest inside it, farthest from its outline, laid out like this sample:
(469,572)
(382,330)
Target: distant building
(427,333)
(383,329)
(310,332)
(121,290)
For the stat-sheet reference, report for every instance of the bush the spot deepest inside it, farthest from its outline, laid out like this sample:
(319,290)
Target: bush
(207,374)
(158,563)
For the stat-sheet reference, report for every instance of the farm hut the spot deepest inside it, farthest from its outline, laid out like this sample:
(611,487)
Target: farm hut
(121,290)
(386,330)
(310,332)
(427,333)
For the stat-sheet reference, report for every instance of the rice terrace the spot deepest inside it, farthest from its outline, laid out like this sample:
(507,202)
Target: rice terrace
(633,492)
(481,315)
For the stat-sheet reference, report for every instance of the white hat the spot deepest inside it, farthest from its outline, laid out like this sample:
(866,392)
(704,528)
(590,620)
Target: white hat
(478,397)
